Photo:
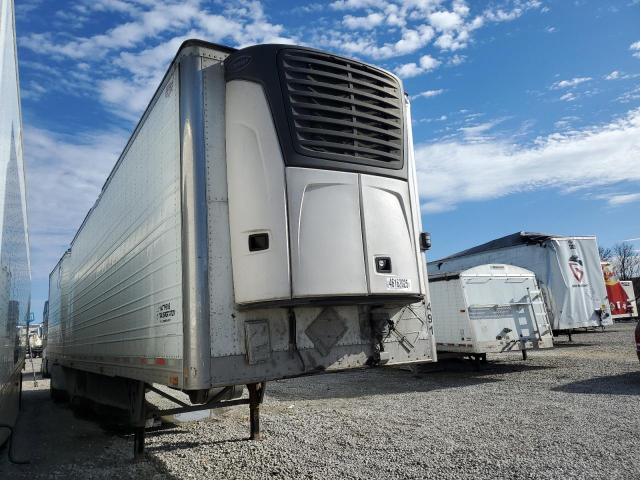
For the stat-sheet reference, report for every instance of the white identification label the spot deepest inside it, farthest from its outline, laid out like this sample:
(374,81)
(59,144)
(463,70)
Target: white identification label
(397,283)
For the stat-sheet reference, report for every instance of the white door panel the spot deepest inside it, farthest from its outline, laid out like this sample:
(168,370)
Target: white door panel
(257,205)
(389,233)
(327,255)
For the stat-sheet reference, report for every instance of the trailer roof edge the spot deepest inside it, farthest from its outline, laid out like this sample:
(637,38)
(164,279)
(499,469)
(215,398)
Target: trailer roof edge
(192,42)
(512,240)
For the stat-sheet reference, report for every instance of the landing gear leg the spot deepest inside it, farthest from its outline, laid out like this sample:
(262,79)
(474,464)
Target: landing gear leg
(256,396)
(138,443)
(476,362)
(524,354)
(138,418)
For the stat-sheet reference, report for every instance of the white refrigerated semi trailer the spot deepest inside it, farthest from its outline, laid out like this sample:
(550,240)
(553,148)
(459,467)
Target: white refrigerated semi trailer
(491,308)
(262,222)
(567,269)
(15,269)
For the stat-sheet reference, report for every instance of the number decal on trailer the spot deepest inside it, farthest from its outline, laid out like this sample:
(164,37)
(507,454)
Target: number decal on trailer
(397,283)
(165,312)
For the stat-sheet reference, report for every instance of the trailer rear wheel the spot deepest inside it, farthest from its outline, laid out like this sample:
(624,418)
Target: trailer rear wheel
(58,395)
(44,368)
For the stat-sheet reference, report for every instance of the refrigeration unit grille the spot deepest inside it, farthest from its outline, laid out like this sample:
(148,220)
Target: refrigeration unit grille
(343,110)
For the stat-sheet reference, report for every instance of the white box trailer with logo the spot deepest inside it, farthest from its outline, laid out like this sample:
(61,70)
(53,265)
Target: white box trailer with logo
(262,222)
(491,308)
(567,269)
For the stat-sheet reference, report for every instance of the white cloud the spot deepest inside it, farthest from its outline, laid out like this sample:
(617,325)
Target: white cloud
(444,21)
(630,95)
(635,48)
(147,24)
(64,176)
(478,133)
(365,23)
(425,64)
(565,122)
(618,75)
(551,29)
(448,41)
(428,94)
(356,4)
(123,76)
(457,171)
(457,60)
(617,199)
(500,15)
(33,90)
(417,22)
(570,83)
(568,97)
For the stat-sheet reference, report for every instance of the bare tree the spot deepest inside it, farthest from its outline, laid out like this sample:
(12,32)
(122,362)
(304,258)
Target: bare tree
(626,261)
(606,254)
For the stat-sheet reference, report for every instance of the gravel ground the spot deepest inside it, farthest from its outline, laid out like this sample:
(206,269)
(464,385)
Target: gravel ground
(570,412)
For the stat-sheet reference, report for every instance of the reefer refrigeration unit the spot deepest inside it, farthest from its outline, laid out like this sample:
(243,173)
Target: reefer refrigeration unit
(567,269)
(621,295)
(15,269)
(488,309)
(262,222)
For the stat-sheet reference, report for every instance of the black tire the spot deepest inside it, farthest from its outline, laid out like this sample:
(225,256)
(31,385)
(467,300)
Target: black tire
(58,395)
(20,394)
(44,369)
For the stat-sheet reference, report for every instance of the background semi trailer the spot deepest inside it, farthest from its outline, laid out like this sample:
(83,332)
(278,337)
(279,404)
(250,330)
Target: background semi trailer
(492,308)
(567,268)
(262,222)
(15,270)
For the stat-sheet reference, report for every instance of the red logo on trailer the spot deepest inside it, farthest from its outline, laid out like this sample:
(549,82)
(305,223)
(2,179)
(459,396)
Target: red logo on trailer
(577,270)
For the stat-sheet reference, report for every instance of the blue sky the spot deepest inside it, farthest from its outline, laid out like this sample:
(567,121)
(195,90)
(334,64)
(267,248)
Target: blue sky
(526,112)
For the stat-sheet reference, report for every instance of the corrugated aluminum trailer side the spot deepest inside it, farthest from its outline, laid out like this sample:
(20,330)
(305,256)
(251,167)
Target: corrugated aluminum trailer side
(222,253)
(15,269)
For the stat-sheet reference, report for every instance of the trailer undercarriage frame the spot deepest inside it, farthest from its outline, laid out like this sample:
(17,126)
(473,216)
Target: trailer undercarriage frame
(140,415)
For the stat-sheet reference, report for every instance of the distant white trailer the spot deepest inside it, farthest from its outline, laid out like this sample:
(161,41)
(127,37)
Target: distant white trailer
(627,285)
(567,269)
(488,309)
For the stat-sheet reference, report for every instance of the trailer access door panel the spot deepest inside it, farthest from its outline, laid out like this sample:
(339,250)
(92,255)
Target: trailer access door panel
(388,228)
(578,273)
(327,256)
(350,234)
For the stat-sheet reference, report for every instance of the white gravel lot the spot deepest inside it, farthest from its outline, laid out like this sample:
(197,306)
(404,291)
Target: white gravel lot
(572,412)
